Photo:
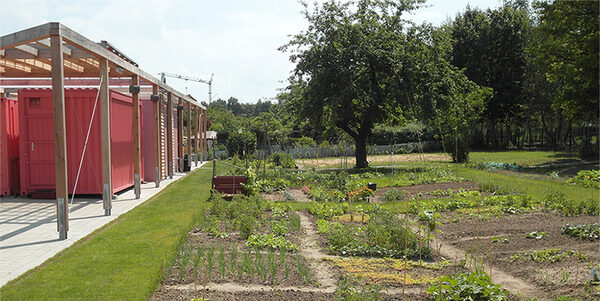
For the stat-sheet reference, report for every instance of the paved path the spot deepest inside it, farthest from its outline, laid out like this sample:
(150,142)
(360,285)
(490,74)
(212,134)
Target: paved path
(28,234)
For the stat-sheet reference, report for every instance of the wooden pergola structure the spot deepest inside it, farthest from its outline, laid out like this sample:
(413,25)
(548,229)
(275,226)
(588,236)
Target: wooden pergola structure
(52,54)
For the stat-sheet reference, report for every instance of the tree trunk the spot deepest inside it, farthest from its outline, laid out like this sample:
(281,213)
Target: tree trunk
(361,151)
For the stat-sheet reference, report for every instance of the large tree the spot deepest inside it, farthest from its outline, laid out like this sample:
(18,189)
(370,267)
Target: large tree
(355,65)
(567,52)
(491,46)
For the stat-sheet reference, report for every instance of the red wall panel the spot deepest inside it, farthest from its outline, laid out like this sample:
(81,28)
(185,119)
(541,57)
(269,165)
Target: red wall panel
(37,140)
(9,146)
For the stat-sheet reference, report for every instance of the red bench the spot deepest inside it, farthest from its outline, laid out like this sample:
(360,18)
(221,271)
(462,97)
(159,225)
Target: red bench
(229,184)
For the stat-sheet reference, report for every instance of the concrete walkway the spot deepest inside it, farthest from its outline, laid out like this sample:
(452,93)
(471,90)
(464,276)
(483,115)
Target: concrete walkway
(28,231)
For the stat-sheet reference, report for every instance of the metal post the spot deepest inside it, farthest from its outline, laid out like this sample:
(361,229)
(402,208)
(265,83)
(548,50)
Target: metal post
(106,197)
(61,218)
(137,186)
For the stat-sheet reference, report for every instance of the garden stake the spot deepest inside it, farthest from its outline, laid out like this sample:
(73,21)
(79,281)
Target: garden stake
(406,228)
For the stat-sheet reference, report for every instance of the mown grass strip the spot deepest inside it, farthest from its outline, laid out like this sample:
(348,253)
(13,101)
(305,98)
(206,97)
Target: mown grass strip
(538,188)
(123,260)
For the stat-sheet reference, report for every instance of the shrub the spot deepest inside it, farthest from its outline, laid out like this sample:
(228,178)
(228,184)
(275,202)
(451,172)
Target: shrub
(467,286)
(393,195)
(284,160)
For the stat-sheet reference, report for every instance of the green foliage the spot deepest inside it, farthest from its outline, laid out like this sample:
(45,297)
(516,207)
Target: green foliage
(241,144)
(357,290)
(303,269)
(536,235)
(247,225)
(328,210)
(584,231)
(548,255)
(393,194)
(384,235)
(294,222)
(305,142)
(456,117)
(467,286)
(323,226)
(352,90)
(284,160)
(568,51)
(270,241)
(359,195)
(587,178)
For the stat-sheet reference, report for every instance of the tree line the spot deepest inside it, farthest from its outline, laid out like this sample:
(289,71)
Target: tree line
(523,75)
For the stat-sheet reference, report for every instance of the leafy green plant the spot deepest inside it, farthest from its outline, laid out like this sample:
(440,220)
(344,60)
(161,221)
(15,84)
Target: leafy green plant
(279,227)
(393,195)
(323,226)
(384,235)
(536,235)
(467,286)
(548,255)
(270,241)
(328,210)
(500,239)
(357,289)
(587,178)
(584,231)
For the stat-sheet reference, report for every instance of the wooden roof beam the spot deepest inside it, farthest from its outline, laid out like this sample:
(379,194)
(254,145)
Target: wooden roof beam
(36,64)
(66,50)
(14,65)
(25,36)
(27,49)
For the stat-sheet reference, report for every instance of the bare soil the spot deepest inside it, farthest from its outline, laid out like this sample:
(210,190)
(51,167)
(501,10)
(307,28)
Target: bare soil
(425,189)
(278,196)
(551,279)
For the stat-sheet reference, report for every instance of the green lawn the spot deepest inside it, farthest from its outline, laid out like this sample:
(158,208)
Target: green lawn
(123,260)
(538,188)
(523,158)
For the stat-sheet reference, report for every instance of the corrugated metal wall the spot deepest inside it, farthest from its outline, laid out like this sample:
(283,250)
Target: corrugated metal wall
(37,140)
(9,146)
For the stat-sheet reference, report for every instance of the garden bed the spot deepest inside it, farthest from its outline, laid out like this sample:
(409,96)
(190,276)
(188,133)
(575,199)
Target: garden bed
(556,263)
(426,189)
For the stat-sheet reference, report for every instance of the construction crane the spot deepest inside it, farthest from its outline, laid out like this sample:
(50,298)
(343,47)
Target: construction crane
(163,78)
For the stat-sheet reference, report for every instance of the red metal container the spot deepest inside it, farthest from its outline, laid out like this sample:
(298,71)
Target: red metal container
(37,141)
(9,146)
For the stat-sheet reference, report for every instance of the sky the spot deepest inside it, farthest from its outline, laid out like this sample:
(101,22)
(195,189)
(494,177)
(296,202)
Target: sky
(237,40)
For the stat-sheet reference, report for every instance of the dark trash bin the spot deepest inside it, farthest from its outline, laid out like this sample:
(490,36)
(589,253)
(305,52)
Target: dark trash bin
(372,186)
(186,163)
